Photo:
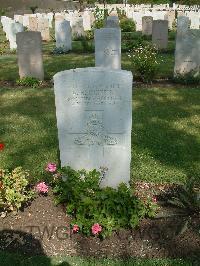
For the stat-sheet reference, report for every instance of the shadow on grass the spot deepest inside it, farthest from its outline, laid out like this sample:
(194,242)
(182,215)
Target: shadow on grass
(165,142)
(165,134)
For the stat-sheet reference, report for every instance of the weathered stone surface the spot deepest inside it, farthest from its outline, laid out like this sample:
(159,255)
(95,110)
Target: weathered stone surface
(187,53)
(112,22)
(77,27)
(183,24)
(147,22)
(94,117)
(29,51)
(14,28)
(33,24)
(43,27)
(160,33)
(108,48)
(63,35)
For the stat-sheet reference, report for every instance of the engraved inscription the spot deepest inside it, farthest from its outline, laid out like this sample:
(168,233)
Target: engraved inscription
(92,96)
(95,132)
(108,51)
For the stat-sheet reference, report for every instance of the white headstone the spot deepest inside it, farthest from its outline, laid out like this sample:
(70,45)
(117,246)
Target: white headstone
(187,53)
(14,28)
(108,48)
(94,120)
(63,35)
(77,27)
(43,27)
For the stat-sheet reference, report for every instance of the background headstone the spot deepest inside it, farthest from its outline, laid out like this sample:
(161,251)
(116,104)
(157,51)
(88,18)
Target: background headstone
(43,27)
(147,22)
(112,22)
(187,53)
(160,33)
(14,28)
(29,51)
(108,47)
(63,35)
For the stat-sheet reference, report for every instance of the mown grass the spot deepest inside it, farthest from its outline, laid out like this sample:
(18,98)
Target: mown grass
(8,259)
(165,132)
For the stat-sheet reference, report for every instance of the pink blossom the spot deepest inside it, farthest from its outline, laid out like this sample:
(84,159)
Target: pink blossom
(96,228)
(51,167)
(154,199)
(75,228)
(42,187)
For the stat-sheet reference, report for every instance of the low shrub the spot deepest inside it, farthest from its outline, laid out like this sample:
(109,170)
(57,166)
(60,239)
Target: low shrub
(60,50)
(14,189)
(127,25)
(144,59)
(188,78)
(187,197)
(28,82)
(95,210)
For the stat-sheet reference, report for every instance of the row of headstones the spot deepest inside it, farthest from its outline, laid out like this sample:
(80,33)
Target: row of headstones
(94,107)
(108,47)
(41,24)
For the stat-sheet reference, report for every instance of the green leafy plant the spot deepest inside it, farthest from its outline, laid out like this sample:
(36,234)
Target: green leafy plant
(121,13)
(28,82)
(60,50)
(188,78)
(89,204)
(14,189)
(187,197)
(89,35)
(127,25)
(100,16)
(144,61)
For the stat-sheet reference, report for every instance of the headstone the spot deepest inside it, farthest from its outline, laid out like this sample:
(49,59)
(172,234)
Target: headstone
(86,21)
(170,16)
(108,48)
(43,27)
(147,22)
(187,53)
(137,17)
(77,27)
(50,19)
(94,114)
(160,33)
(183,24)
(33,24)
(14,28)
(112,22)
(26,20)
(29,50)
(63,35)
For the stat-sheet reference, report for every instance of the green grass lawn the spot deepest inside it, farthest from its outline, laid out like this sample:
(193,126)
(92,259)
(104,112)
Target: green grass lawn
(165,134)
(7,259)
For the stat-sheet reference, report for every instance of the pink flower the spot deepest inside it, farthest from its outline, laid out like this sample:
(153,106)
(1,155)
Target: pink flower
(42,187)
(75,228)
(96,228)
(154,199)
(51,167)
